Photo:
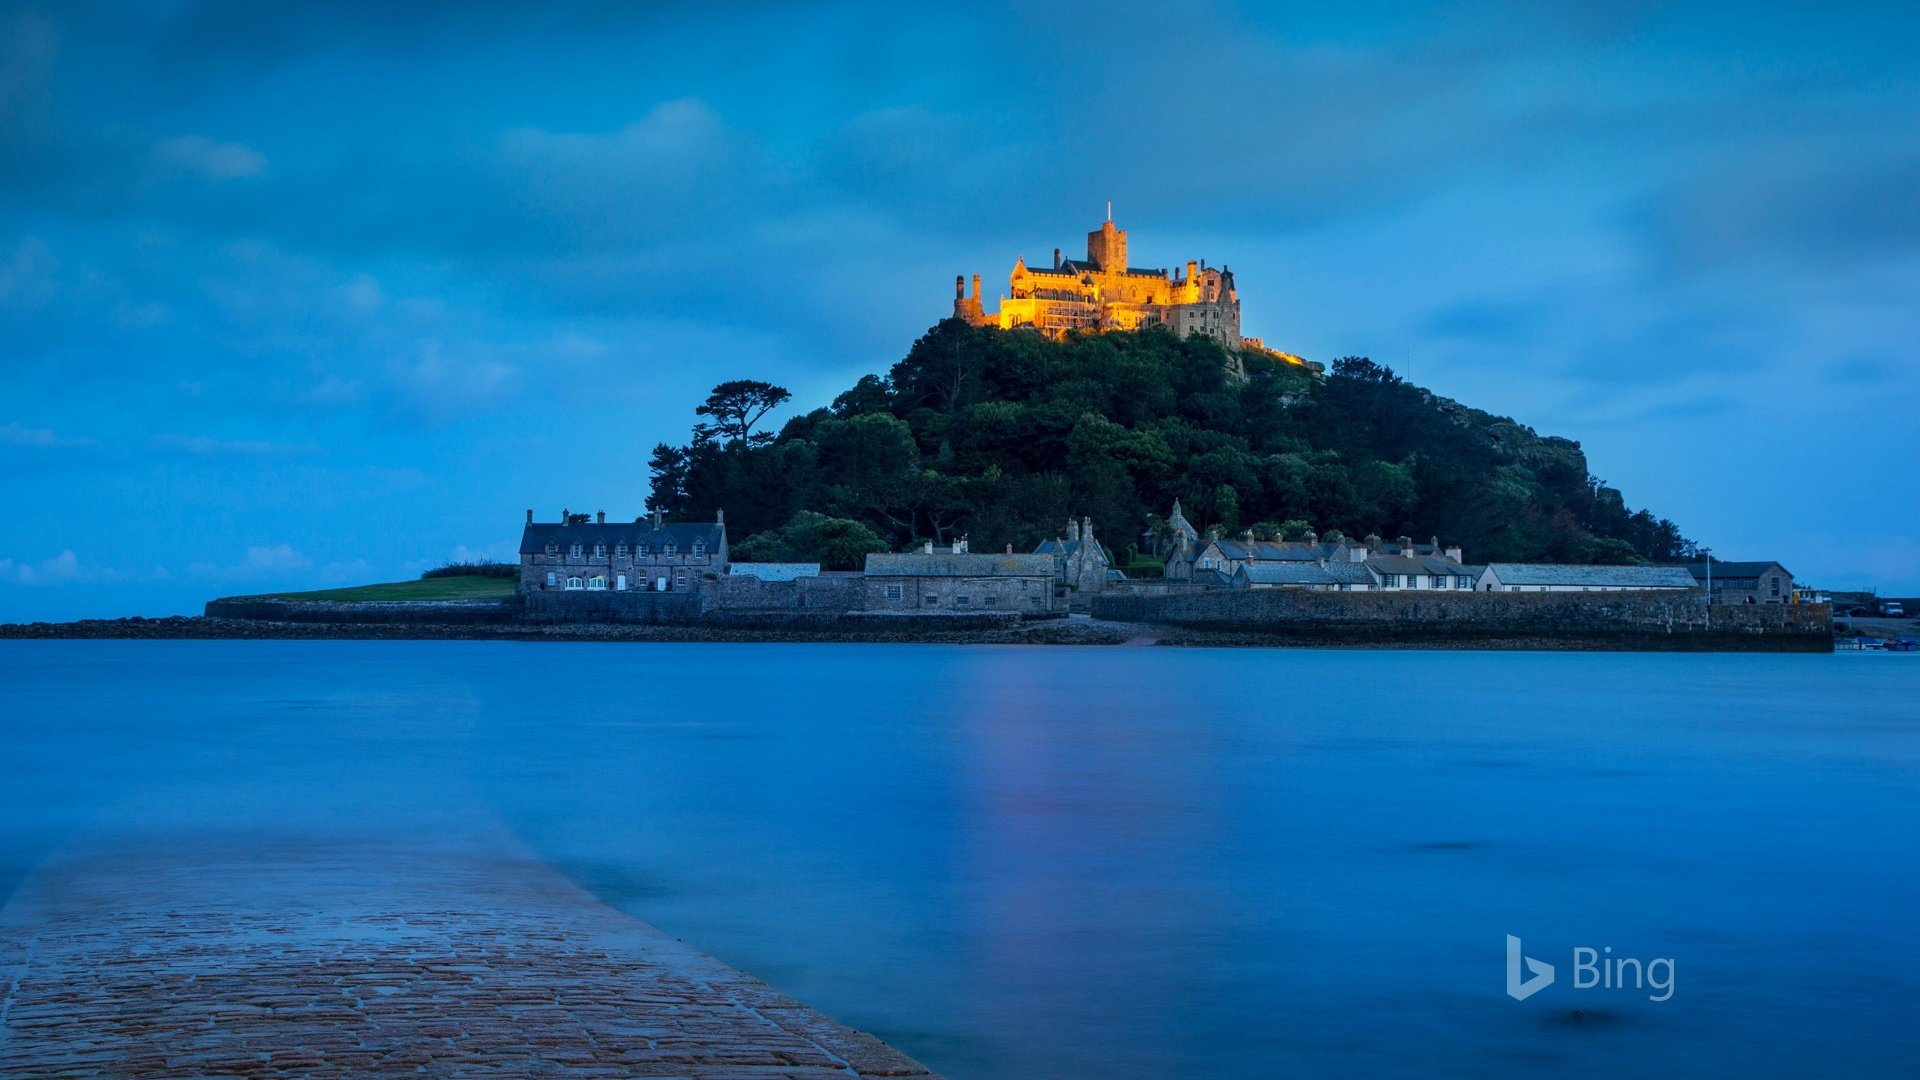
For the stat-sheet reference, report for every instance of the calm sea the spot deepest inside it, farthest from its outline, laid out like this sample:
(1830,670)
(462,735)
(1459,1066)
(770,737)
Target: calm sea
(1067,863)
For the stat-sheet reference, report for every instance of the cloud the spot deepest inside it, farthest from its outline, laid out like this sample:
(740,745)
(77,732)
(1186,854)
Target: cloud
(60,569)
(258,562)
(15,434)
(208,446)
(1794,205)
(197,155)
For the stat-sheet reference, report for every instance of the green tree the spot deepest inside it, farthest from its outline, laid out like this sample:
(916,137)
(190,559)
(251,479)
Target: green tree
(736,406)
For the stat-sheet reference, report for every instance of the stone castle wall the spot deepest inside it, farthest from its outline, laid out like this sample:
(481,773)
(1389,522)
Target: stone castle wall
(1652,619)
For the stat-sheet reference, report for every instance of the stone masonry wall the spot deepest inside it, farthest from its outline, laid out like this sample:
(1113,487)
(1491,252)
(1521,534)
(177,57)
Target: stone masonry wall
(1639,618)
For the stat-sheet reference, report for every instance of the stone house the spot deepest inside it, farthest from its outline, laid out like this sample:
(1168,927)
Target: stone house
(929,581)
(1178,546)
(1746,582)
(1337,564)
(1080,564)
(648,553)
(1567,577)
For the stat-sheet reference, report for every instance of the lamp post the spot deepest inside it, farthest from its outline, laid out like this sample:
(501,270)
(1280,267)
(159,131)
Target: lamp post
(1707,554)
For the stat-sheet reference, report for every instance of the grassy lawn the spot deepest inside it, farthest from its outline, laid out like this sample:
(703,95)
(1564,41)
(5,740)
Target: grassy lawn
(446,588)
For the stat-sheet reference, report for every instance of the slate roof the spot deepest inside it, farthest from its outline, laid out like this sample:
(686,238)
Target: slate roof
(1395,564)
(1733,570)
(774,571)
(1619,577)
(964,564)
(535,538)
(1085,266)
(1349,573)
(1287,573)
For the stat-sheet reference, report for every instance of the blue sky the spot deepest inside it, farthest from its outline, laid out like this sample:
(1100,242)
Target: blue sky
(311,294)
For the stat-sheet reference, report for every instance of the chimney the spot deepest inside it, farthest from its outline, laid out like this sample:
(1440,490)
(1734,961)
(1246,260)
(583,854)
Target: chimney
(1073,529)
(927,548)
(1456,554)
(566,516)
(659,519)
(529,517)
(1312,537)
(1435,541)
(1086,529)
(719,517)
(963,545)
(976,286)
(600,517)
(1246,536)
(959,286)
(1009,549)
(1056,258)
(1406,544)
(1372,541)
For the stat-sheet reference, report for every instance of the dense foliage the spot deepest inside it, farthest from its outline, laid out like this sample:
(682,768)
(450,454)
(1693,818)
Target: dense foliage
(473,569)
(1004,434)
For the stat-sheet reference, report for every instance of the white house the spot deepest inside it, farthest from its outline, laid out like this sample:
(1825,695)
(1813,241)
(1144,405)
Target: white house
(1551,577)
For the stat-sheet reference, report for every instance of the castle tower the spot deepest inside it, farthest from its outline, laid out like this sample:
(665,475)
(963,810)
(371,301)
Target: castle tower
(1107,248)
(963,307)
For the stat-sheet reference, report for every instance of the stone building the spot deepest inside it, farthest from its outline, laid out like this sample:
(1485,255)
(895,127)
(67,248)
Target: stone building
(1177,545)
(1103,292)
(1572,577)
(930,581)
(647,553)
(1746,582)
(1080,564)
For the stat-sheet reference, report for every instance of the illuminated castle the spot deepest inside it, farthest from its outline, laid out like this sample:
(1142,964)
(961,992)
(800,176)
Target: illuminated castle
(1102,292)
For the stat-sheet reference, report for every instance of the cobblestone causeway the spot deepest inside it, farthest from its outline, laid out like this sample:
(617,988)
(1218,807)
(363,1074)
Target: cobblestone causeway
(351,960)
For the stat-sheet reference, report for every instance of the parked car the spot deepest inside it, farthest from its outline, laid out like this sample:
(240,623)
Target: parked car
(1892,609)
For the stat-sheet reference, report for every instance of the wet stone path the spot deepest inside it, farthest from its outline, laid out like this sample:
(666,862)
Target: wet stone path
(356,960)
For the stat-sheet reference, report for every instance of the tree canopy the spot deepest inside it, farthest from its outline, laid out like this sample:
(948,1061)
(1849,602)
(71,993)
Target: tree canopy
(1004,434)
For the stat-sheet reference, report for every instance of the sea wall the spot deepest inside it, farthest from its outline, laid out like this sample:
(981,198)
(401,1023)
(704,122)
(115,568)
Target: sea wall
(1650,620)
(425,612)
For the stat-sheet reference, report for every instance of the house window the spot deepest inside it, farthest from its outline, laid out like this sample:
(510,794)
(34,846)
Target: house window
(552,579)
(1774,585)
(575,583)
(962,600)
(574,552)
(597,583)
(930,599)
(640,551)
(620,550)
(553,549)
(1393,581)
(896,592)
(699,549)
(669,550)
(599,551)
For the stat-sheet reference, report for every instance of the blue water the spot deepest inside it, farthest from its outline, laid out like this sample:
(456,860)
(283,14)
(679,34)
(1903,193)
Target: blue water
(1066,863)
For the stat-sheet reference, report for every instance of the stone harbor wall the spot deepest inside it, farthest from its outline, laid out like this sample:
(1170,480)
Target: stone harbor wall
(1651,619)
(436,612)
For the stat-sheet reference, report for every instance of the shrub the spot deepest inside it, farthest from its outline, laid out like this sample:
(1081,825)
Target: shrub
(473,569)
